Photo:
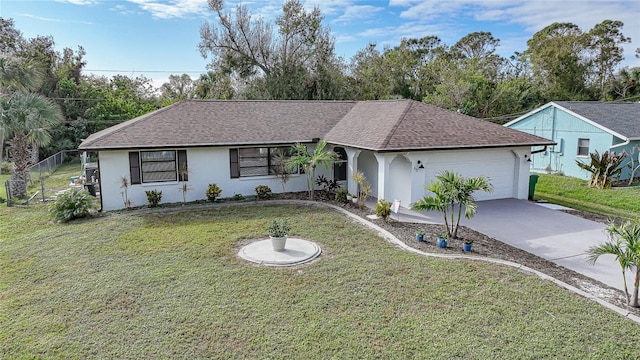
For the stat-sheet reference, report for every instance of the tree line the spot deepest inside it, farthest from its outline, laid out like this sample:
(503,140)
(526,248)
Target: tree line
(294,58)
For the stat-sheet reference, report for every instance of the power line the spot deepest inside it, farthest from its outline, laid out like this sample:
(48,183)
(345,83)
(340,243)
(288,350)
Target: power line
(149,71)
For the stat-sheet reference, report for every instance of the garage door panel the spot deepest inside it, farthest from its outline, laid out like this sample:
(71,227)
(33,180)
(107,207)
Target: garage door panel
(498,166)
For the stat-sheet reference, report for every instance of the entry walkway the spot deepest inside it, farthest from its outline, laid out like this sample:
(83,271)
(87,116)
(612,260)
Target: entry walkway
(546,232)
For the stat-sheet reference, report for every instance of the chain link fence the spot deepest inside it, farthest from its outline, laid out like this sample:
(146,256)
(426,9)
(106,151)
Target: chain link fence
(41,184)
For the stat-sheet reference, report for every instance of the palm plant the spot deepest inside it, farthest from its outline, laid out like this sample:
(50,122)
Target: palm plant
(280,167)
(603,168)
(301,157)
(25,118)
(451,193)
(624,244)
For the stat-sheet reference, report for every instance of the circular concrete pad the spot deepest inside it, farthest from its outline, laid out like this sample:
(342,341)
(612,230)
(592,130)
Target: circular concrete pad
(296,252)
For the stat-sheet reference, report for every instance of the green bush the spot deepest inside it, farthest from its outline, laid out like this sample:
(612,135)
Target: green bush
(383,209)
(341,196)
(263,192)
(238,197)
(153,197)
(213,191)
(73,204)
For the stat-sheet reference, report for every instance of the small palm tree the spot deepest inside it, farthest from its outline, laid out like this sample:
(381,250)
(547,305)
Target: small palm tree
(624,244)
(26,119)
(301,157)
(451,190)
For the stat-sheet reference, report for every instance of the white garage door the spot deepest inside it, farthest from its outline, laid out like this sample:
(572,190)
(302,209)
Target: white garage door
(498,165)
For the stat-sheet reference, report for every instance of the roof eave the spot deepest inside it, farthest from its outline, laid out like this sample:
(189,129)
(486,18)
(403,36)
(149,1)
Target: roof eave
(452,147)
(225,144)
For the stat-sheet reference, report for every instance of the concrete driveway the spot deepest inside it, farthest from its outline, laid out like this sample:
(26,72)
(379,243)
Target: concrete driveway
(548,233)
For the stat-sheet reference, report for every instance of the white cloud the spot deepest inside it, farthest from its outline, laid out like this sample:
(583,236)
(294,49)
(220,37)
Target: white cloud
(172,9)
(41,18)
(358,12)
(78,2)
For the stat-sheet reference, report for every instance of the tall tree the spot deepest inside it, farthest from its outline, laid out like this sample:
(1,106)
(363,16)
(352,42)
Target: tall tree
(212,85)
(287,62)
(625,84)
(179,87)
(557,56)
(26,119)
(604,43)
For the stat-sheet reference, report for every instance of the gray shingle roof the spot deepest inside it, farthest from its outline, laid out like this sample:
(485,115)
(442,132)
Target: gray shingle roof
(205,122)
(620,117)
(410,125)
(376,125)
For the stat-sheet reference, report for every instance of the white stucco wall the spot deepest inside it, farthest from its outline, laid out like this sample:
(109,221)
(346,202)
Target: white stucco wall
(507,168)
(206,165)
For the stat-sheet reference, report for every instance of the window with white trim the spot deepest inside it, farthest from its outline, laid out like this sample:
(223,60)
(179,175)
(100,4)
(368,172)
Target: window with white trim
(583,147)
(158,166)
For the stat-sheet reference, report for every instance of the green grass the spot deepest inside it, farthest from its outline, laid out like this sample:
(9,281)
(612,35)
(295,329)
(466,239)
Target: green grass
(171,286)
(57,180)
(576,193)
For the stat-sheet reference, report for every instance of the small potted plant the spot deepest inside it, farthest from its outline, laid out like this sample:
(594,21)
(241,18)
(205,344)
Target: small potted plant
(466,245)
(278,232)
(420,235)
(441,240)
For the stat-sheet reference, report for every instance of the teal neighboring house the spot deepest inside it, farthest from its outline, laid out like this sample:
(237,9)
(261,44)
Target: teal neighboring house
(578,128)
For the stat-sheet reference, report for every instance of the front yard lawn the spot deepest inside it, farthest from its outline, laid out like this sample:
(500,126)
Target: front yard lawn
(169,285)
(576,194)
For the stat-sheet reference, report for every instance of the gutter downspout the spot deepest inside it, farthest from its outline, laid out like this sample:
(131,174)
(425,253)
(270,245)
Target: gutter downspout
(621,144)
(539,151)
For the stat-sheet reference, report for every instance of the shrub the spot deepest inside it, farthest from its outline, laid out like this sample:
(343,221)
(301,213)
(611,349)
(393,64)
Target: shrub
(263,192)
(238,197)
(153,197)
(213,191)
(279,228)
(383,209)
(328,186)
(73,204)
(341,196)
(2,200)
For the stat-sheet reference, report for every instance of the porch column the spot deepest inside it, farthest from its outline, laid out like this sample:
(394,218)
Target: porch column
(352,167)
(384,160)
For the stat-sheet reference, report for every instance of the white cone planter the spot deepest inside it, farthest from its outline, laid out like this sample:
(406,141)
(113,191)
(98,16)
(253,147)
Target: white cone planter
(278,243)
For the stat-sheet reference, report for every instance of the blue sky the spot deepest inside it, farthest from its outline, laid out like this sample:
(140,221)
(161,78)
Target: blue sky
(156,38)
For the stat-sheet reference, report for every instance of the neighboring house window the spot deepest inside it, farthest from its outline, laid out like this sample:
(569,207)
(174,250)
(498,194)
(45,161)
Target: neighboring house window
(255,161)
(583,147)
(158,166)
(340,166)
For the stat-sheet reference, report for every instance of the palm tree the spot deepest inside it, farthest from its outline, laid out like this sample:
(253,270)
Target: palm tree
(451,190)
(301,157)
(25,119)
(624,244)
(15,76)
(464,197)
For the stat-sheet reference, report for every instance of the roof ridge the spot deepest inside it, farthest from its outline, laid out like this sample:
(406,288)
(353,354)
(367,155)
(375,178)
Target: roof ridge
(272,101)
(395,126)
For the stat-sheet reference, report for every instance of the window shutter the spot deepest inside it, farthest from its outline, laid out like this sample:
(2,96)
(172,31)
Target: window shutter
(134,168)
(183,169)
(233,163)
